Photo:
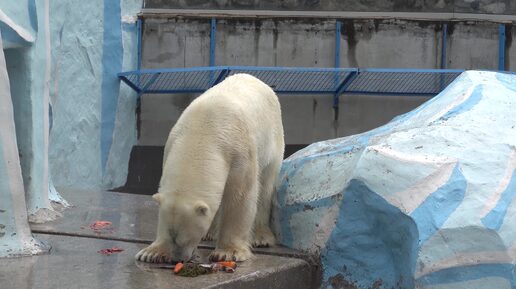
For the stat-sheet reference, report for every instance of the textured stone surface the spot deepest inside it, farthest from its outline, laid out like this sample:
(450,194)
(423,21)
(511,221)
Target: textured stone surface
(94,123)
(133,219)
(75,263)
(15,236)
(426,201)
(62,65)
(15,23)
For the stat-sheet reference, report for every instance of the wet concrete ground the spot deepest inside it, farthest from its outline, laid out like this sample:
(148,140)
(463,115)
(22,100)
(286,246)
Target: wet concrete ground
(74,260)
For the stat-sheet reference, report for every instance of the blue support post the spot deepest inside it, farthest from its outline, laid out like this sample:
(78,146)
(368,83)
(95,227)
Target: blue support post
(443,45)
(138,50)
(213,43)
(213,38)
(338,28)
(223,74)
(501,47)
(131,85)
(139,44)
(444,59)
(342,87)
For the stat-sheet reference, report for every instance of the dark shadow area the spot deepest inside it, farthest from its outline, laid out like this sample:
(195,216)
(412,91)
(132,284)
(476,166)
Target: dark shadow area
(145,167)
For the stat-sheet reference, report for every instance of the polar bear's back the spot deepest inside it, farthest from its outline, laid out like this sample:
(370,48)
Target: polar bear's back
(240,94)
(243,93)
(240,110)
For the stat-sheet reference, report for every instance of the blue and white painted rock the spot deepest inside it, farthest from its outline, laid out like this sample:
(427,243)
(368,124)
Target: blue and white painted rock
(426,201)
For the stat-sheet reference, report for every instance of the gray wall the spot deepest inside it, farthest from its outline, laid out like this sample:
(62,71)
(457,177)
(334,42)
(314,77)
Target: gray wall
(306,119)
(457,6)
(180,42)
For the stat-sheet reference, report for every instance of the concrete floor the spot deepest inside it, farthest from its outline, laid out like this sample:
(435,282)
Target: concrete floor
(74,261)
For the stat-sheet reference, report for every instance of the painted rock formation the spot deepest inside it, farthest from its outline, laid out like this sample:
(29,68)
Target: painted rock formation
(425,201)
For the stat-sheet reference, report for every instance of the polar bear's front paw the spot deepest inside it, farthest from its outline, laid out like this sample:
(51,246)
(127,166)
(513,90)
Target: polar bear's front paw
(231,254)
(263,237)
(154,253)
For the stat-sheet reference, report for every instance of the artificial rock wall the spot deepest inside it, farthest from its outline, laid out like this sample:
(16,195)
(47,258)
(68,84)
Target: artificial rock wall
(93,115)
(426,201)
(64,115)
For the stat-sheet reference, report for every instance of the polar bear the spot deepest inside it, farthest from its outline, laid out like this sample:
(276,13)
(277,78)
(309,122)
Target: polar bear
(221,161)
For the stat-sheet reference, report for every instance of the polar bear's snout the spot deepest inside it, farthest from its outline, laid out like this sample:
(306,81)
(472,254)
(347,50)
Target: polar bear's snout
(186,222)
(180,230)
(182,251)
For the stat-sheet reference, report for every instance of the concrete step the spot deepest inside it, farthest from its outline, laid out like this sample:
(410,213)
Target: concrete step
(74,262)
(134,218)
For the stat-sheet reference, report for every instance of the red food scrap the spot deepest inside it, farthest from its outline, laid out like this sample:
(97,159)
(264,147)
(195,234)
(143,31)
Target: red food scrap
(100,225)
(179,266)
(110,251)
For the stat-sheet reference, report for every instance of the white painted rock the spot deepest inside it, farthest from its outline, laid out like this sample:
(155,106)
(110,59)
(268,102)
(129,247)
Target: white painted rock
(426,201)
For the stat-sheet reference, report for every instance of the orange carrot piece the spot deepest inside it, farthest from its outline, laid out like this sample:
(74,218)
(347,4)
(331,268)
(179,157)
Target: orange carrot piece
(230,264)
(178,267)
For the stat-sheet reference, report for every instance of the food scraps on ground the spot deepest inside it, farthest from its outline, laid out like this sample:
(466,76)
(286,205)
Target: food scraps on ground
(196,269)
(230,264)
(100,225)
(178,267)
(110,251)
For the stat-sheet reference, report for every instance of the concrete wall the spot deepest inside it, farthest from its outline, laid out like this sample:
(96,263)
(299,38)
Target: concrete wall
(460,6)
(474,46)
(306,119)
(388,43)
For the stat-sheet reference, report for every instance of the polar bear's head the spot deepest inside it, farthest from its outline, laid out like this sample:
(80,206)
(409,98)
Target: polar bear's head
(182,222)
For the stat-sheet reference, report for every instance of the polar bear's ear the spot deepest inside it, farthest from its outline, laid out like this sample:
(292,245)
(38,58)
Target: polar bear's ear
(157,197)
(201,209)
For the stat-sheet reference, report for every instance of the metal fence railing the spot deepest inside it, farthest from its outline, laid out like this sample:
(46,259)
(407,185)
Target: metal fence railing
(296,80)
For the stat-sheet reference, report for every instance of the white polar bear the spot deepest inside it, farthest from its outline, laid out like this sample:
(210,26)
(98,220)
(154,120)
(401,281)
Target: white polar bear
(221,158)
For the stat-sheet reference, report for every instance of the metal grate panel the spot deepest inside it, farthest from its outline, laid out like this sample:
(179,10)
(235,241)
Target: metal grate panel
(296,80)
(402,82)
(171,80)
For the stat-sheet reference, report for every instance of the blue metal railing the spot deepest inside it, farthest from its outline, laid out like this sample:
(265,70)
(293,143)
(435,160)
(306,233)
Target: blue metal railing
(295,80)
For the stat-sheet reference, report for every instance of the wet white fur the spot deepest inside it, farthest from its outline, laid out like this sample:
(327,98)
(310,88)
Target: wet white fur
(221,161)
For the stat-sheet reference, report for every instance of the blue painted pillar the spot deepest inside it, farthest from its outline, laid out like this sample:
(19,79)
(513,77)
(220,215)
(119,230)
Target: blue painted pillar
(444,43)
(338,28)
(139,29)
(15,236)
(444,58)
(213,40)
(501,47)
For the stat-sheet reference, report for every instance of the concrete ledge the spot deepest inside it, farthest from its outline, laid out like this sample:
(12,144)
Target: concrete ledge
(75,263)
(269,14)
(134,218)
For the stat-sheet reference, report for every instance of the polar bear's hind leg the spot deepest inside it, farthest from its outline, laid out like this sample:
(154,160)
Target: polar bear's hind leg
(263,236)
